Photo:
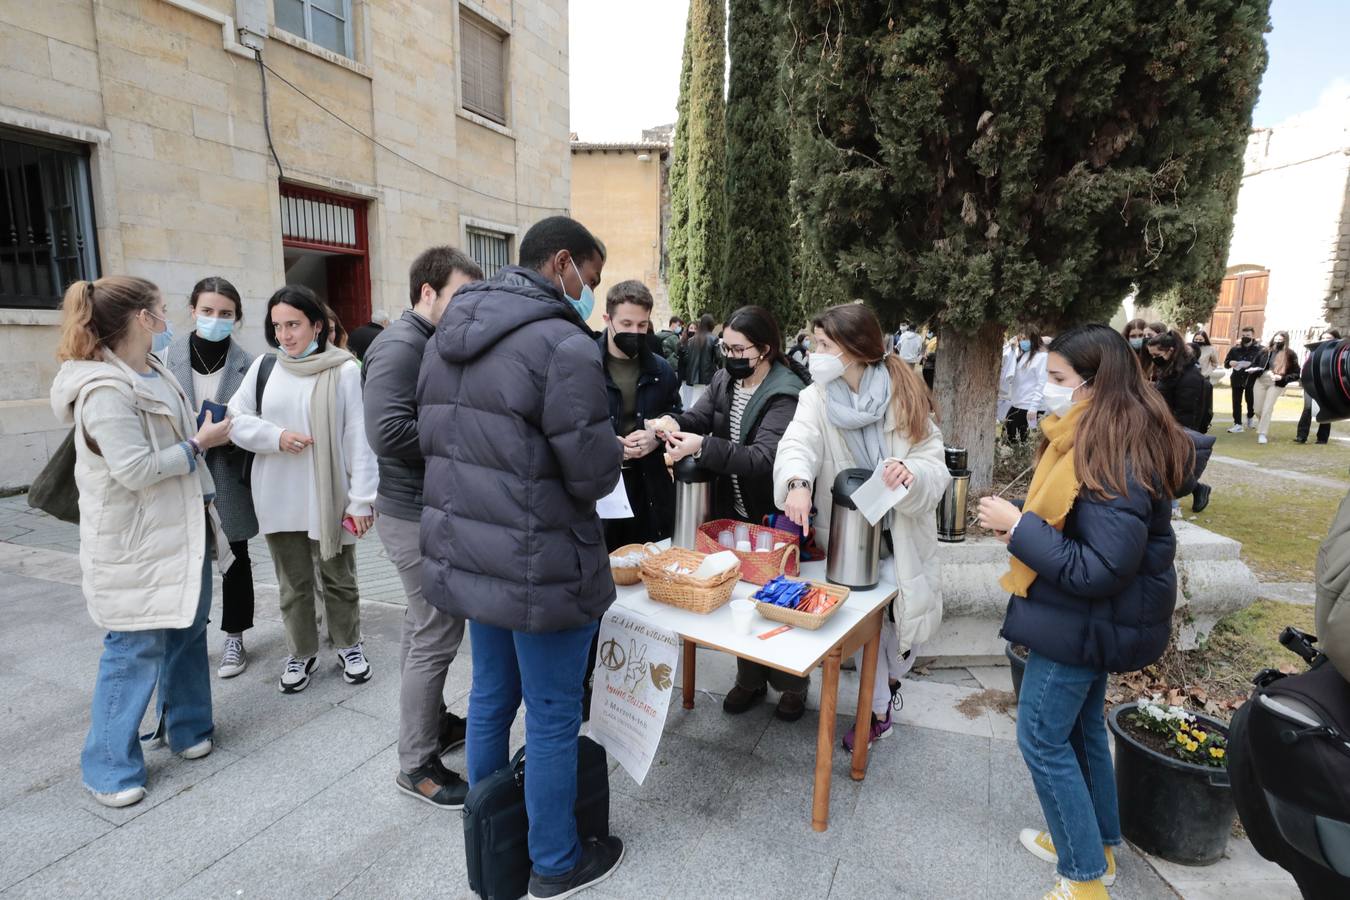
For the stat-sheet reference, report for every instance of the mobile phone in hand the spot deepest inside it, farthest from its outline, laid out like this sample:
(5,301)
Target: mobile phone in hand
(349,523)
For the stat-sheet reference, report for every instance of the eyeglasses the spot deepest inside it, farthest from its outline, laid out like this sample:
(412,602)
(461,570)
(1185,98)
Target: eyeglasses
(734,351)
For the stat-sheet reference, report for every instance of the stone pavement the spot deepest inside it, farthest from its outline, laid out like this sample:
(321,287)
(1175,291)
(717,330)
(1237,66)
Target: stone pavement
(298,798)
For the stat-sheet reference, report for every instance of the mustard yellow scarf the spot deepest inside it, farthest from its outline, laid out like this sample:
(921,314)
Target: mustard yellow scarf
(1053,489)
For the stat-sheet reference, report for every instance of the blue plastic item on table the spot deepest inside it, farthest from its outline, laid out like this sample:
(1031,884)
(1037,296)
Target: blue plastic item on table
(783,591)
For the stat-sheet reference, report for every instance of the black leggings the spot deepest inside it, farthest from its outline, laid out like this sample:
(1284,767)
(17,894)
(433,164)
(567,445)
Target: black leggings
(236,592)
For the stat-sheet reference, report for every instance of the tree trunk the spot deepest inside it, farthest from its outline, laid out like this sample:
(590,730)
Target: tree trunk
(966,386)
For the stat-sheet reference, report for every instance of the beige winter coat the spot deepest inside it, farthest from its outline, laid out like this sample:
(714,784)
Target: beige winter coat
(814,449)
(142,515)
(1333,592)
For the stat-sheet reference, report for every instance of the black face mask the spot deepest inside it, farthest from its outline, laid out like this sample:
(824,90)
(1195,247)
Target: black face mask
(1279,345)
(630,343)
(739,369)
(1246,341)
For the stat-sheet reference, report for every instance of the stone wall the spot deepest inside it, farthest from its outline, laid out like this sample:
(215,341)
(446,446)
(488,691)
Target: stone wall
(185,185)
(1292,217)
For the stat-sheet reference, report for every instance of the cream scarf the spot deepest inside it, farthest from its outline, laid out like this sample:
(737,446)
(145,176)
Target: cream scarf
(329,463)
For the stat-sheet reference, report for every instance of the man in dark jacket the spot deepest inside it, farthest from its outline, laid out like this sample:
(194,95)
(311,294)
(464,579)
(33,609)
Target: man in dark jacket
(641,387)
(430,637)
(670,341)
(359,341)
(1239,359)
(514,426)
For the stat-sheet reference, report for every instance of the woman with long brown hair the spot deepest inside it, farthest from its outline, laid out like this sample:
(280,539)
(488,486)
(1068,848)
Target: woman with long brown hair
(1092,583)
(146,528)
(1279,368)
(867,409)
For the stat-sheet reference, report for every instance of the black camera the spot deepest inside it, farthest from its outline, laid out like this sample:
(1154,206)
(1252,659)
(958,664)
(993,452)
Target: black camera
(1326,378)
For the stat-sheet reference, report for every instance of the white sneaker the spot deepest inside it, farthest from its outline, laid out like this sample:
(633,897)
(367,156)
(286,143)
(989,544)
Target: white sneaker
(121,798)
(355,667)
(197,751)
(295,678)
(1236,429)
(1251,423)
(1262,439)
(234,659)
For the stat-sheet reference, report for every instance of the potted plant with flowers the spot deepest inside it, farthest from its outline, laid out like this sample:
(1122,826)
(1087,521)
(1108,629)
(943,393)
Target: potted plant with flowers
(1172,780)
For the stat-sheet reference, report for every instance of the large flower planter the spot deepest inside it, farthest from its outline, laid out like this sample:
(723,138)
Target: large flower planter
(1177,810)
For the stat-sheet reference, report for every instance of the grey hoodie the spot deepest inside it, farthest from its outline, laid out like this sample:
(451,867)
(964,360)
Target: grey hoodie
(514,424)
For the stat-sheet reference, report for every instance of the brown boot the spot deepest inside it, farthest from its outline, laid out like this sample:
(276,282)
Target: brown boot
(791,706)
(740,699)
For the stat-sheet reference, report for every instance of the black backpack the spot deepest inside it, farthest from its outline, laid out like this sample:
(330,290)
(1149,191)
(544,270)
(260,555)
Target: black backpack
(495,823)
(264,372)
(1289,763)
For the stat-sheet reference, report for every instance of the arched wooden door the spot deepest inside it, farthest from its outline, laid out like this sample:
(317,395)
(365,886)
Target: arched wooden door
(1242,304)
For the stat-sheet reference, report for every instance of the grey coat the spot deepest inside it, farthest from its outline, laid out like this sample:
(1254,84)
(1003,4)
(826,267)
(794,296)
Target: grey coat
(514,424)
(234,501)
(389,374)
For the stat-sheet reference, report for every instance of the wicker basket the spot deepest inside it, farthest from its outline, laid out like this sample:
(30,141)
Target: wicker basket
(799,619)
(629,575)
(756,568)
(699,595)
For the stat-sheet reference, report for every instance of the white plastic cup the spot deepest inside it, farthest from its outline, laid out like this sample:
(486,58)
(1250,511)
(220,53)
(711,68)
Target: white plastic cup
(725,538)
(742,615)
(742,533)
(743,546)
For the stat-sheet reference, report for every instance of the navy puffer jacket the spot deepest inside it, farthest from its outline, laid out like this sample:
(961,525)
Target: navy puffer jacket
(1105,586)
(514,424)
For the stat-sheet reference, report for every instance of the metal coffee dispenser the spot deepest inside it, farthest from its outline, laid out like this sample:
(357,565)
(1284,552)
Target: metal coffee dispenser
(693,501)
(853,558)
(951,512)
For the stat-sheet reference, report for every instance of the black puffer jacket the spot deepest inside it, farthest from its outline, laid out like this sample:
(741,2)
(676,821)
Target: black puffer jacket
(1184,393)
(750,454)
(1105,586)
(514,425)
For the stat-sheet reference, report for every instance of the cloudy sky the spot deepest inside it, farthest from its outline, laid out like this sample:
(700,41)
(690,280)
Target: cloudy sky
(625,63)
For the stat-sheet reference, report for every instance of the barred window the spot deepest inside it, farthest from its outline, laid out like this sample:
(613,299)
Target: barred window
(47,237)
(490,249)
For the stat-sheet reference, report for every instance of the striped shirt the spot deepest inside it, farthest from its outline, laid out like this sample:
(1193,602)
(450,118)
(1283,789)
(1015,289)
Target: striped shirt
(740,398)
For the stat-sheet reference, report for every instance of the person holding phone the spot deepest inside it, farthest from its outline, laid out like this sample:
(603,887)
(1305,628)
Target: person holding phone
(210,365)
(314,478)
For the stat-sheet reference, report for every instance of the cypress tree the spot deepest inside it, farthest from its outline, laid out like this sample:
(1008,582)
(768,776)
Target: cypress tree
(678,234)
(757,166)
(705,231)
(989,163)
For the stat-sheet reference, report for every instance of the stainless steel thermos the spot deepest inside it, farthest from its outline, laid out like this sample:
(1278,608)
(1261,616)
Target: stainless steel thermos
(693,501)
(853,557)
(951,512)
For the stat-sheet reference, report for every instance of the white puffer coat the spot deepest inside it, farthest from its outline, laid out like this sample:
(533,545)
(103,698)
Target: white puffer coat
(814,449)
(142,519)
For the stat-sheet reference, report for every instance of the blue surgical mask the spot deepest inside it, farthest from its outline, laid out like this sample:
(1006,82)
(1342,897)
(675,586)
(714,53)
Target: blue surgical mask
(1024,345)
(313,345)
(161,339)
(217,329)
(1136,343)
(586,303)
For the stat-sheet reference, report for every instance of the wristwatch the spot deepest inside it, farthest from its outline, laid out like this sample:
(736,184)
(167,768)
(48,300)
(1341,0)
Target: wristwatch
(795,483)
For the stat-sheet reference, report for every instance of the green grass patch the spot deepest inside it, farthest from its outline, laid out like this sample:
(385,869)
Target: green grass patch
(1245,642)
(1279,522)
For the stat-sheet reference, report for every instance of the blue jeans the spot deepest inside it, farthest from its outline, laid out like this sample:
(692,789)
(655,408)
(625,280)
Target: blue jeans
(132,663)
(1061,731)
(547,670)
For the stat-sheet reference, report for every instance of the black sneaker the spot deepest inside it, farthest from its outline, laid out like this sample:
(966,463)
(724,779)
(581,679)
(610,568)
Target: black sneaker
(434,784)
(1200,497)
(599,858)
(451,734)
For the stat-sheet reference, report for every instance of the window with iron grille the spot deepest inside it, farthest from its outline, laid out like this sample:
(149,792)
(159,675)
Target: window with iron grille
(482,68)
(327,23)
(47,237)
(490,249)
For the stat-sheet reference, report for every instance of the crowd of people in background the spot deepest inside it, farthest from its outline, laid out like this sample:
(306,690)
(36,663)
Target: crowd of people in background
(477,431)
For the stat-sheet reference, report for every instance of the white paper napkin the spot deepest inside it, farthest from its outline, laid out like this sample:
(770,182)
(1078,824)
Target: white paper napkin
(874,499)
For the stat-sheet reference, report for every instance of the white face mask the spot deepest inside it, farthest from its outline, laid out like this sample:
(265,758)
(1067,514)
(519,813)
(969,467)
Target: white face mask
(1059,397)
(826,367)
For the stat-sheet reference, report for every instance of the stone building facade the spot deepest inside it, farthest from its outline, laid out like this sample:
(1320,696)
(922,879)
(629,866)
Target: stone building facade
(621,192)
(134,138)
(1289,258)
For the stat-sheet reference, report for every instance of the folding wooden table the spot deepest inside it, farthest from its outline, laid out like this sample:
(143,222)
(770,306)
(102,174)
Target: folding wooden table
(797,651)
